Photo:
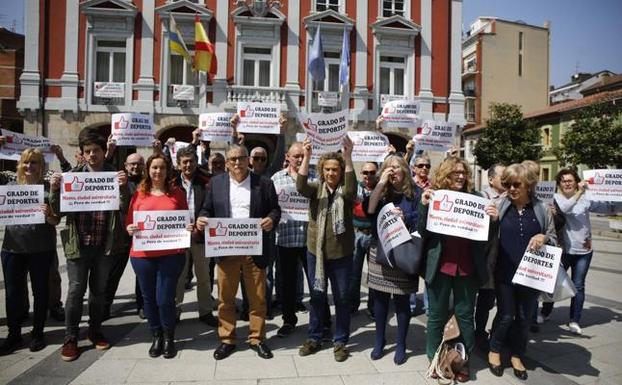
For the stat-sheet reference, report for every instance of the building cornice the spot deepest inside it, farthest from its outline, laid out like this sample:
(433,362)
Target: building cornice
(122,8)
(329,20)
(395,25)
(184,10)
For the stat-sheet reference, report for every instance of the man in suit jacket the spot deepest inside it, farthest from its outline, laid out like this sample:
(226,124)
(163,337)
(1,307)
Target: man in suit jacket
(239,193)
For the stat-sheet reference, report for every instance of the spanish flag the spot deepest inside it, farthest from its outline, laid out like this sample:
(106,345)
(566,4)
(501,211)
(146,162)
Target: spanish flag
(204,56)
(176,41)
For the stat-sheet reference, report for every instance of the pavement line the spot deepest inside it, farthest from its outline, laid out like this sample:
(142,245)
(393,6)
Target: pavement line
(606,270)
(604,302)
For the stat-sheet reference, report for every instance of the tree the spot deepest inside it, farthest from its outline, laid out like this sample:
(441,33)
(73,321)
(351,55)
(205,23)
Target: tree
(594,139)
(507,138)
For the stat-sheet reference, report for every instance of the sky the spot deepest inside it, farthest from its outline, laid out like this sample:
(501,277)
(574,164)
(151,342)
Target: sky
(585,35)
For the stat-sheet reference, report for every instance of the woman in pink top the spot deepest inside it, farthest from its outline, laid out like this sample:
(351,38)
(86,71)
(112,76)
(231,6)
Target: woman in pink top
(158,270)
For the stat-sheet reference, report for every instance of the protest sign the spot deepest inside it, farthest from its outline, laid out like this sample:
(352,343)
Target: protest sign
(21,204)
(434,135)
(458,214)
(89,191)
(386,98)
(538,269)
(294,207)
(326,131)
(401,114)
(109,89)
(132,129)
(545,191)
(233,236)
(176,147)
(216,126)
(369,146)
(604,185)
(16,143)
(161,230)
(260,118)
(392,231)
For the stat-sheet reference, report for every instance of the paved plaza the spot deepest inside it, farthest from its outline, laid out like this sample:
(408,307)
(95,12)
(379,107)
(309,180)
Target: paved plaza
(554,355)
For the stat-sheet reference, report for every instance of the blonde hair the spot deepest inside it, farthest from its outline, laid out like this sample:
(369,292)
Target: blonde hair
(331,156)
(30,154)
(442,174)
(408,185)
(520,172)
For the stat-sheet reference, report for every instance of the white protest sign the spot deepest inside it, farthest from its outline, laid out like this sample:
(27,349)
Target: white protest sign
(16,143)
(89,191)
(458,214)
(604,185)
(369,146)
(401,114)
(538,269)
(434,135)
(392,231)
(260,118)
(294,207)
(233,236)
(176,147)
(21,204)
(315,150)
(161,230)
(328,99)
(386,98)
(326,131)
(109,89)
(216,126)
(130,129)
(545,190)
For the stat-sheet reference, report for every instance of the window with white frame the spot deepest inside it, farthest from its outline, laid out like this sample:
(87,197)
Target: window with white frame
(323,5)
(392,7)
(392,75)
(256,66)
(181,70)
(332,60)
(110,61)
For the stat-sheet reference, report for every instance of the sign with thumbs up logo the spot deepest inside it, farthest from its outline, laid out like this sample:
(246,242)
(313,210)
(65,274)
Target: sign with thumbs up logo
(369,146)
(604,185)
(21,204)
(161,230)
(294,207)
(89,191)
(229,236)
(400,114)
(216,126)
(435,135)
(458,214)
(16,143)
(130,129)
(259,118)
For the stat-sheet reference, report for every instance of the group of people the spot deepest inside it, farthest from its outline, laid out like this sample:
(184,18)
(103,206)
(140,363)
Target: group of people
(462,277)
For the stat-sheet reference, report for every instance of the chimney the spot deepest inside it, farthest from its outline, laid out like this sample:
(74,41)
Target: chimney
(547,24)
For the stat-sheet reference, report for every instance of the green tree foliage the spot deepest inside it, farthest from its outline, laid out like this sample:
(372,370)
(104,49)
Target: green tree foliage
(594,138)
(507,138)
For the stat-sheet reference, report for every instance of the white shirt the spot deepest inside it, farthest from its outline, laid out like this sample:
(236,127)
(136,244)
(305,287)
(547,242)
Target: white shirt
(240,197)
(189,196)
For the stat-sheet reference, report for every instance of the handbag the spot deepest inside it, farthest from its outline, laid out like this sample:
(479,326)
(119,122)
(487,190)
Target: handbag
(564,288)
(449,358)
(406,257)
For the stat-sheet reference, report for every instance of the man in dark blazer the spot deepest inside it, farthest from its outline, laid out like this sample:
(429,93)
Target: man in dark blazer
(239,193)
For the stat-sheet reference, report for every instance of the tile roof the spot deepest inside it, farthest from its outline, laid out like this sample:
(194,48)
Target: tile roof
(577,103)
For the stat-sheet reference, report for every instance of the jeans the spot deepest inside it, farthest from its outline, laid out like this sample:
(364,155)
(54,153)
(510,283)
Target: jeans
(338,272)
(158,280)
(15,267)
(362,242)
(515,305)
(580,264)
(92,267)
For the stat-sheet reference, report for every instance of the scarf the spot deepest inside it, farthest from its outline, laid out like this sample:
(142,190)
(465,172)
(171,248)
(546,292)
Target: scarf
(339,227)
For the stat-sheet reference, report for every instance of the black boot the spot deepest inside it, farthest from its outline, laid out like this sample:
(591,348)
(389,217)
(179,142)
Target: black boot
(168,350)
(156,346)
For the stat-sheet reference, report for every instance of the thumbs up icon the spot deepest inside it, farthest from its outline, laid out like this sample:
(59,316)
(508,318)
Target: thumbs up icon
(596,179)
(425,129)
(121,123)
(14,139)
(309,126)
(388,110)
(2,199)
(283,196)
(219,231)
(443,205)
(248,112)
(147,224)
(74,185)
(358,141)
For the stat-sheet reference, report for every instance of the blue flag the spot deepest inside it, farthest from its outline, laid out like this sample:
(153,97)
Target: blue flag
(316,59)
(344,66)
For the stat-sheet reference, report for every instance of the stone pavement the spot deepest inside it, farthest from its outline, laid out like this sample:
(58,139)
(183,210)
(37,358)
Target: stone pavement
(554,355)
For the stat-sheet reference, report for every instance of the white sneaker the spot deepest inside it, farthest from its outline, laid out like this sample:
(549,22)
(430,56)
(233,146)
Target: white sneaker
(542,319)
(575,328)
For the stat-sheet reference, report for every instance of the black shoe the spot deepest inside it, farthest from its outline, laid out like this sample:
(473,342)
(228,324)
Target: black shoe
(520,374)
(301,307)
(11,344)
(37,343)
(223,351)
(57,314)
(141,313)
(209,320)
(497,370)
(262,350)
(157,344)
(285,330)
(168,348)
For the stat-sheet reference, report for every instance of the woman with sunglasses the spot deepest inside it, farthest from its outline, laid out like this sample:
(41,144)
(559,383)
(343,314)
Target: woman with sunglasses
(524,223)
(454,265)
(577,238)
(421,170)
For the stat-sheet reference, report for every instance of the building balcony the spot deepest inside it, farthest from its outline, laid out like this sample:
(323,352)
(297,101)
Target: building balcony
(469,71)
(255,94)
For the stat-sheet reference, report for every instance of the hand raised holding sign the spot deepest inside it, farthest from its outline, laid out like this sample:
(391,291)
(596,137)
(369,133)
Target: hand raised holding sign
(266,224)
(536,242)
(427,196)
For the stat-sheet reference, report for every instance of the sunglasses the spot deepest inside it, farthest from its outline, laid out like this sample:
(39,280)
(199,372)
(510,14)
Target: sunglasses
(507,185)
(234,159)
(425,165)
(368,172)
(260,158)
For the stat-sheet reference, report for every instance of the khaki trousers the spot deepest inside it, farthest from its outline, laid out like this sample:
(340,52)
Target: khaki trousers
(228,270)
(204,283)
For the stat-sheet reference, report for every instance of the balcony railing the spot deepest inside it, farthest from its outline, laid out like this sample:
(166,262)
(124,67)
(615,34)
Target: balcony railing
(255,94)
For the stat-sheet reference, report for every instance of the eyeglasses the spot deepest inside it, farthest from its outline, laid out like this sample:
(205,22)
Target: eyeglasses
(371,172)
(234,159)
(259,158)
(507,185)
(456,173)
(423,165)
